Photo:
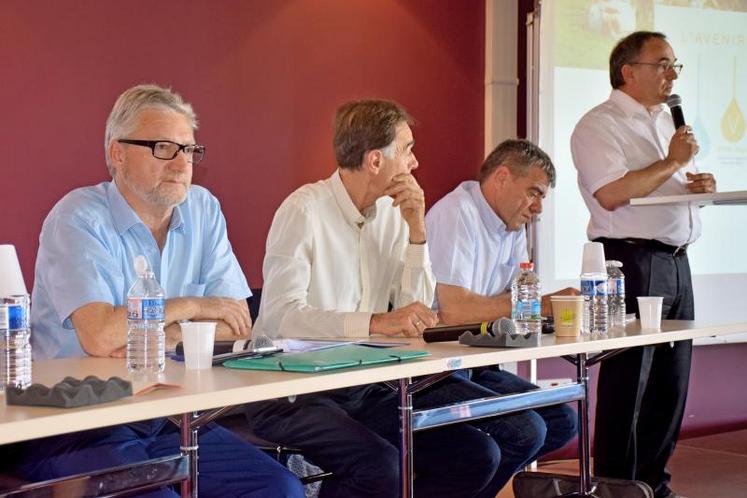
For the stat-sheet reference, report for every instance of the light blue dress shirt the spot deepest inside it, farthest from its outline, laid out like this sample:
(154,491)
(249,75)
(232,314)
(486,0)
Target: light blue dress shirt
(469,244)
(86,251)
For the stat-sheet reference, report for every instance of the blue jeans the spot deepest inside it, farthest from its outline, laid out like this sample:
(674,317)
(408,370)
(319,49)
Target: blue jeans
(522,436)
(229,466)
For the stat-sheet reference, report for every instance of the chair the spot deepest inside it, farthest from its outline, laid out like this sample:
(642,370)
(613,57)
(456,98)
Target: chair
(236,423)
(253,303)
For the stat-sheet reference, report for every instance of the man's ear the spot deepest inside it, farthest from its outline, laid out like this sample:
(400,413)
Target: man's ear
(373,161)
(116,155)
(627,73)
(501,175)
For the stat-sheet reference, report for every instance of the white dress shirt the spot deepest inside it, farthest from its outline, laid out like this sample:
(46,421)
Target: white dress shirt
(618,136)
(328,267)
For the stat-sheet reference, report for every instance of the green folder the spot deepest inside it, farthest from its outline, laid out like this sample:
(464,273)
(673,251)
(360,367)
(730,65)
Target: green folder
(326,359)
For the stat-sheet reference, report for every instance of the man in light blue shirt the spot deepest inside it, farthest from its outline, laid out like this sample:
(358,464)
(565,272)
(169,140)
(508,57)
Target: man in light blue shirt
(84,269)
(477,240)
(88,243)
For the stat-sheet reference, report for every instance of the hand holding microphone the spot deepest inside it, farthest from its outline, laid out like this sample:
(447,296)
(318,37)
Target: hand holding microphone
(683,145)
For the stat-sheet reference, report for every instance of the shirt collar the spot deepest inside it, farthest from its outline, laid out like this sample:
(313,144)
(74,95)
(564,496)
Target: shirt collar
(492,221)
(345,203)
(631,106)
(125,217)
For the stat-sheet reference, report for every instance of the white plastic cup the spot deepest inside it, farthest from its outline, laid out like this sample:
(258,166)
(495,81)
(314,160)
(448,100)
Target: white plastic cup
(11,278)
(649,308)
(593,259)
(198,339)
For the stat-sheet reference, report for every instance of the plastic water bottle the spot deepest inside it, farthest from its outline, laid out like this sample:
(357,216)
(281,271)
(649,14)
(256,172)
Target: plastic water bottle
(594,290)
(146,339)
(15,342)
(526,300)
(616,297)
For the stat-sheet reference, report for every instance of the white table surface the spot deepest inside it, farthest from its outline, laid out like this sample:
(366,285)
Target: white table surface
(218,387)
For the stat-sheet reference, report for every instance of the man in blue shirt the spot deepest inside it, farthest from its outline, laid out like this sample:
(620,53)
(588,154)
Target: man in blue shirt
(84,269)
(477,240)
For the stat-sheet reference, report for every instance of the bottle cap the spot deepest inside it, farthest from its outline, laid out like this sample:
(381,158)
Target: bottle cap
(614,263)
(593,260)
(526,265)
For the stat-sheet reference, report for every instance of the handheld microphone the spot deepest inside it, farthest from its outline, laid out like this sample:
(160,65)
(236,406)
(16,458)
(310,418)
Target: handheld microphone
(502,326)
(674,102)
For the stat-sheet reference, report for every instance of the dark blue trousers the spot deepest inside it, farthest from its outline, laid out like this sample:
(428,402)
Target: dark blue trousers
(524,436)
(354,434)
(228,465)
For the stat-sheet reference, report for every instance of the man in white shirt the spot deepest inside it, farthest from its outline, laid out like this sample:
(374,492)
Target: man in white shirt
(624,148)
(477,241)
(339,253)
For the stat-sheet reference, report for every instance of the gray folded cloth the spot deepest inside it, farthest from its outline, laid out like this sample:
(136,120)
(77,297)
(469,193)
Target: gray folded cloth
(70,392)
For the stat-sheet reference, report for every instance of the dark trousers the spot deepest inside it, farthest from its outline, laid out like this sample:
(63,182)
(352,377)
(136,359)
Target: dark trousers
(354,433)
(641,392)
(520,431)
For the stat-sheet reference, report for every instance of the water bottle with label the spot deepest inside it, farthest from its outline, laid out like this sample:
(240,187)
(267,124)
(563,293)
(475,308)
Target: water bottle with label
(15,342)
(526,300)
(594,290)
(146,308)
(616,298)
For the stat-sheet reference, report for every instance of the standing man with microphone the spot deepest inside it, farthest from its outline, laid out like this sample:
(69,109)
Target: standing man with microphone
(624,148)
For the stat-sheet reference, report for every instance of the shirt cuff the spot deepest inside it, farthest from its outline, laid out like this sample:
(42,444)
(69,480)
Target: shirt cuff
(357,324)
(416,256)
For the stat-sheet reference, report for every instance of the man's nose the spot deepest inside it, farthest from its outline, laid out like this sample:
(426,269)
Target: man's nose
(536,206)
(181,161)
(414,165)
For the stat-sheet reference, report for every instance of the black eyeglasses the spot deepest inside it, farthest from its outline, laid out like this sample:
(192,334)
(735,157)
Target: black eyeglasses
(663,66)
(167,150)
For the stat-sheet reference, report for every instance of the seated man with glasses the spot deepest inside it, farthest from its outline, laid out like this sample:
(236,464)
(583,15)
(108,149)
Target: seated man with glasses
(85,266)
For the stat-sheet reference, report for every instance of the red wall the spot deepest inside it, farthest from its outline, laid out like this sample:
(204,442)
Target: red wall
(264,77)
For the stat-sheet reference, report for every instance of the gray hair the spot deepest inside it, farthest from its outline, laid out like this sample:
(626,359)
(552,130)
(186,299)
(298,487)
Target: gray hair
(132,102)
(519,156)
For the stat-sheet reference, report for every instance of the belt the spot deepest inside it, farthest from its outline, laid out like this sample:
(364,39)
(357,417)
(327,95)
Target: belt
(652,244)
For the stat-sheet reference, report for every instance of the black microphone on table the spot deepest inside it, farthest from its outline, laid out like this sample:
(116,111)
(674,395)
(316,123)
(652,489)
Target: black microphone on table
(222,347)
(674,102)
(502,326)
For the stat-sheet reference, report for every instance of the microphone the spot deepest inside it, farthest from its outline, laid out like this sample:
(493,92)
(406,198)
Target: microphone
(221,347)
(674,102)
(502,326)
